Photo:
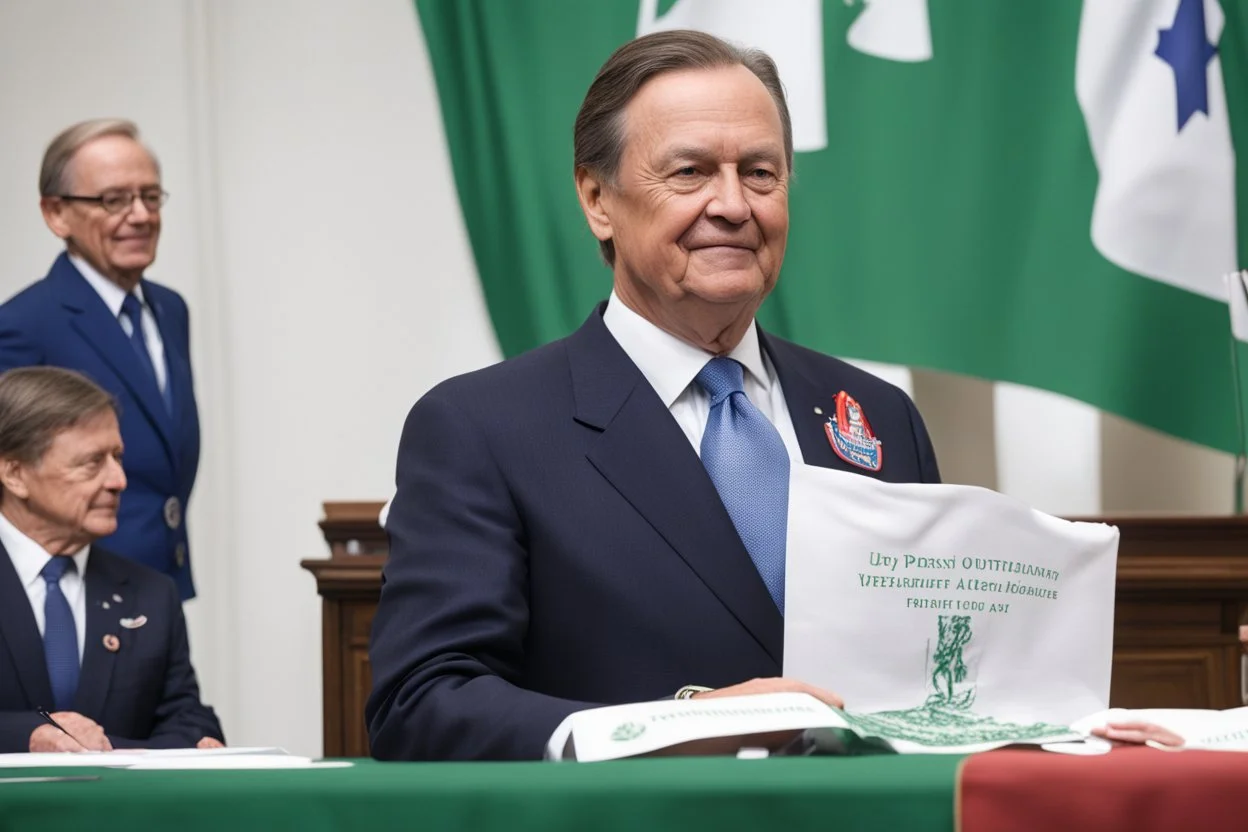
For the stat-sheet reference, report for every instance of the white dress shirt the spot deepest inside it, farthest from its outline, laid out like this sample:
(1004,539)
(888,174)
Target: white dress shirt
(113,296)
(29,558)
(671,365)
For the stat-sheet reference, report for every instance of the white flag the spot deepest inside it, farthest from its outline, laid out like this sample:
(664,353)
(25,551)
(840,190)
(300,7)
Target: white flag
(1149,82)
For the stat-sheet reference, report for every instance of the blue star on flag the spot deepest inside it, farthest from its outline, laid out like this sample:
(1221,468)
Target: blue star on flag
(1186,48)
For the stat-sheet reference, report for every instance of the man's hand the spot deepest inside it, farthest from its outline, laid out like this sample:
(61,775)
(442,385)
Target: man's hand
(83,735)
(210,742)
(47,738)
(1138,733)
(775,684)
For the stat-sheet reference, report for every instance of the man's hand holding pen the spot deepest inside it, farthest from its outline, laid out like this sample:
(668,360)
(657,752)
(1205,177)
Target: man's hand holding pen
(69,731)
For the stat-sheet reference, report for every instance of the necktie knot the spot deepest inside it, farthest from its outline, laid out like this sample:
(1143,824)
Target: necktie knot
(132,308)
(56,567)
(720,378)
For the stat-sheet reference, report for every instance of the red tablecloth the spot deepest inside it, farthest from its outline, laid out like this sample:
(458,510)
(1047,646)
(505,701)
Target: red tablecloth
(1131,788)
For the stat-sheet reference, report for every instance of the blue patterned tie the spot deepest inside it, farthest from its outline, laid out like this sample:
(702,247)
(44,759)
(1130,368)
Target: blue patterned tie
(132,308)
(747,461)
(60,637)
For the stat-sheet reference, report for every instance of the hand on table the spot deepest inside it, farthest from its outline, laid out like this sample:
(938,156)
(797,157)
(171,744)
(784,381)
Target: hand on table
(210,742)
(772,740)
(83,735)
(774,684)
(1138,733)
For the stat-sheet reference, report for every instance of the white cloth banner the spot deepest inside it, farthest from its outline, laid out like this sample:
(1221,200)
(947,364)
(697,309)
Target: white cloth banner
(947,616)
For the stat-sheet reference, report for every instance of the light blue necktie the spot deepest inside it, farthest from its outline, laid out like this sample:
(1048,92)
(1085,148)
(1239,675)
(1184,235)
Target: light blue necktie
(747,461)
(132,308)
(60,636)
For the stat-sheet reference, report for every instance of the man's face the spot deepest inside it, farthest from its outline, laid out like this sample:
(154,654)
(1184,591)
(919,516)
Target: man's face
(699,212)
(120,246)
(73,492)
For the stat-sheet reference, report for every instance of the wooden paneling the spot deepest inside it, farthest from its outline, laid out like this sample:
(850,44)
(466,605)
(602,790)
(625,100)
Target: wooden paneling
(1182,597)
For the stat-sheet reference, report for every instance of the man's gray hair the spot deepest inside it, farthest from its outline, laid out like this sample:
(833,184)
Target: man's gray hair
(54,173)
(37,403)
(598,137)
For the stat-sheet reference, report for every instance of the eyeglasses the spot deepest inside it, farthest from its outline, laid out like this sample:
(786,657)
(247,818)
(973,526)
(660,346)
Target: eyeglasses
(119,202)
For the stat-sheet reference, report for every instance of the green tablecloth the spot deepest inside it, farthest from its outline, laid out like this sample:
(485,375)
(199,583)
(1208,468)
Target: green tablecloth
(713,794)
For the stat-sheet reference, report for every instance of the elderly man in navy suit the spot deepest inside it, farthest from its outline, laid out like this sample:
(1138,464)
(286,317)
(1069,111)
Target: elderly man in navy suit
(93,647)
(96,312)
(602,520)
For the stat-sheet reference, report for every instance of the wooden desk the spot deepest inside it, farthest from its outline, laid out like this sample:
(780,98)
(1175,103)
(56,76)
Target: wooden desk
(1182,595)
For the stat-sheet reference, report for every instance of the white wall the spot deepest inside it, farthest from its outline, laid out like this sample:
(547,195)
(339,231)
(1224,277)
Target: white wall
(314,230)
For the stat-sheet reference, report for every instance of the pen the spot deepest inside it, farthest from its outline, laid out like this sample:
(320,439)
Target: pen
(68,779)
(47,717)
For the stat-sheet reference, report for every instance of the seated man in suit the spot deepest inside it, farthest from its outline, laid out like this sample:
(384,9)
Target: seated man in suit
(602,520)
(96,312)
(97,640)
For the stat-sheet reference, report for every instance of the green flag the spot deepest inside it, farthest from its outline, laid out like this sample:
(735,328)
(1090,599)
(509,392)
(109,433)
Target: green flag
(1040,193)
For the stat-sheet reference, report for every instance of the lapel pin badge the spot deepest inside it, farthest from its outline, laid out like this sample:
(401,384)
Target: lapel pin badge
(111,643)
(133,623)
(850,435)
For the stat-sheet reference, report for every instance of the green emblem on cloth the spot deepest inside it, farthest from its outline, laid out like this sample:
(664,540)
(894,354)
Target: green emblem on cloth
(628,731)
(946,718)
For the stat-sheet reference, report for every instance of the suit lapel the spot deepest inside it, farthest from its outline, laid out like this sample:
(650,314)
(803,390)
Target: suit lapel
(645,456)
(91,318)
(21,634)
(810,404)
(103,587)
(177,366)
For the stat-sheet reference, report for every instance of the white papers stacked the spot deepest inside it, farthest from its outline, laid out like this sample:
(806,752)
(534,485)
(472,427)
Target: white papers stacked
(172,759)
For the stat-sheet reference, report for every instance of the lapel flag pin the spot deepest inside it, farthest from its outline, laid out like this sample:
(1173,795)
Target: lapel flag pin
(133,623)
(850,435)
(111,643)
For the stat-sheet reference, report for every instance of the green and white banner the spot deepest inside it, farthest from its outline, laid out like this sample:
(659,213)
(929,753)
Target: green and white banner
(1041,193)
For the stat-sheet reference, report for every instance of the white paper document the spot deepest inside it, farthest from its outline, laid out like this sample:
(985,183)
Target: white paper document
(643,728)
(96,759)
(950,618)
(230,757)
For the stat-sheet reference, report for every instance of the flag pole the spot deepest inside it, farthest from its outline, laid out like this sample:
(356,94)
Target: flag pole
(1236,284)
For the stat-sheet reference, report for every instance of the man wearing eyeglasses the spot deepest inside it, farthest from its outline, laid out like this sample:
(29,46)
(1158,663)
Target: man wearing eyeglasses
(96,312)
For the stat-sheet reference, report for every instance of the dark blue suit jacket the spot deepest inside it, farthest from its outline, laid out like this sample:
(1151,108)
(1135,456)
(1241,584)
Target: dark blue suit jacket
(61,321)
(143,695)
(556,544)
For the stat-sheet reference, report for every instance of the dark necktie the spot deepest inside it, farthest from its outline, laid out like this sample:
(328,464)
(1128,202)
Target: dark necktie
(132,308)
(60,636)
(746,459)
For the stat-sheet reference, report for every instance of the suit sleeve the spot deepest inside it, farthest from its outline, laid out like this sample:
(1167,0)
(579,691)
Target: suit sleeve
(15,730)
(929,472)
(447,648)
(18,347)
(181,720)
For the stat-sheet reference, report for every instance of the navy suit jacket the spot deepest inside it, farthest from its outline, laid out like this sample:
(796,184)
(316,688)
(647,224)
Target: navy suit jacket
(556,544)
(62,321)
(144,694)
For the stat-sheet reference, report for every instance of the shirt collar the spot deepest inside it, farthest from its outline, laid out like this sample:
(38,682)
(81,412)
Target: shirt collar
(669,363)
(109,292)
(29,557)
